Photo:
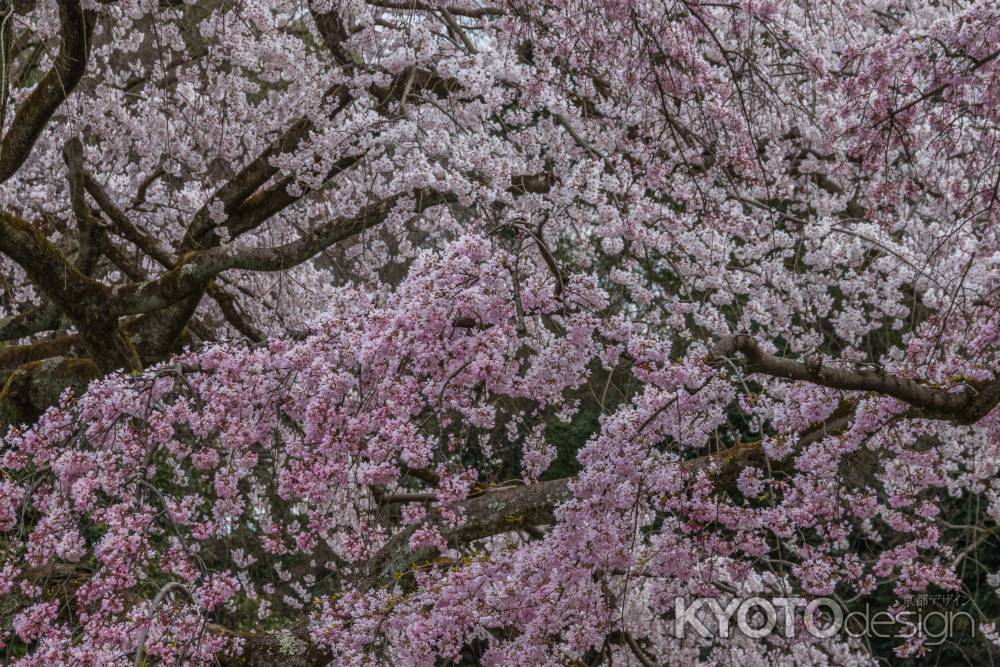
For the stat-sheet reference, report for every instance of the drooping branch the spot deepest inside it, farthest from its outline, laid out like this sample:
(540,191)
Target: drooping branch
(76,26)
(966,404)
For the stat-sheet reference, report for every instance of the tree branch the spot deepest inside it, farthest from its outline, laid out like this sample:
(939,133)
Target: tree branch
(489,514)
(965,405)
(84,300)
(16,355)
(521,507)
(238,189)
(34,113)
(195,269)
(44,317)
(123,226)
(415,5)
(47,268)
(331,29)
(88,231)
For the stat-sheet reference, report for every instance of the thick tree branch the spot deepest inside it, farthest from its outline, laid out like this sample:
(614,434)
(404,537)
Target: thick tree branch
(147,244)
(120,260)
(43,317)
(88,231)
(331,29)
(242,185)
(34,113)
(6,56)
(489,514)
(236,191)
(195,269)
(264,205)
(84,300)
(231,311)
(456,10)
(521,507)
(965,405)
(47,268)
(124,227)
(16,355)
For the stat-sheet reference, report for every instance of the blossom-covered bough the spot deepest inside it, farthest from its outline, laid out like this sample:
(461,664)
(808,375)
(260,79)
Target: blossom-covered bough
(453,332)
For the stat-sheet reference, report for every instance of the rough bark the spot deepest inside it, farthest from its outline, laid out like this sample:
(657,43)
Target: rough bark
(33,114)
(964,404)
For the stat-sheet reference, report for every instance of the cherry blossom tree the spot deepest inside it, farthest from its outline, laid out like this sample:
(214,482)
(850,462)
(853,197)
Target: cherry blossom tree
(367,332)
